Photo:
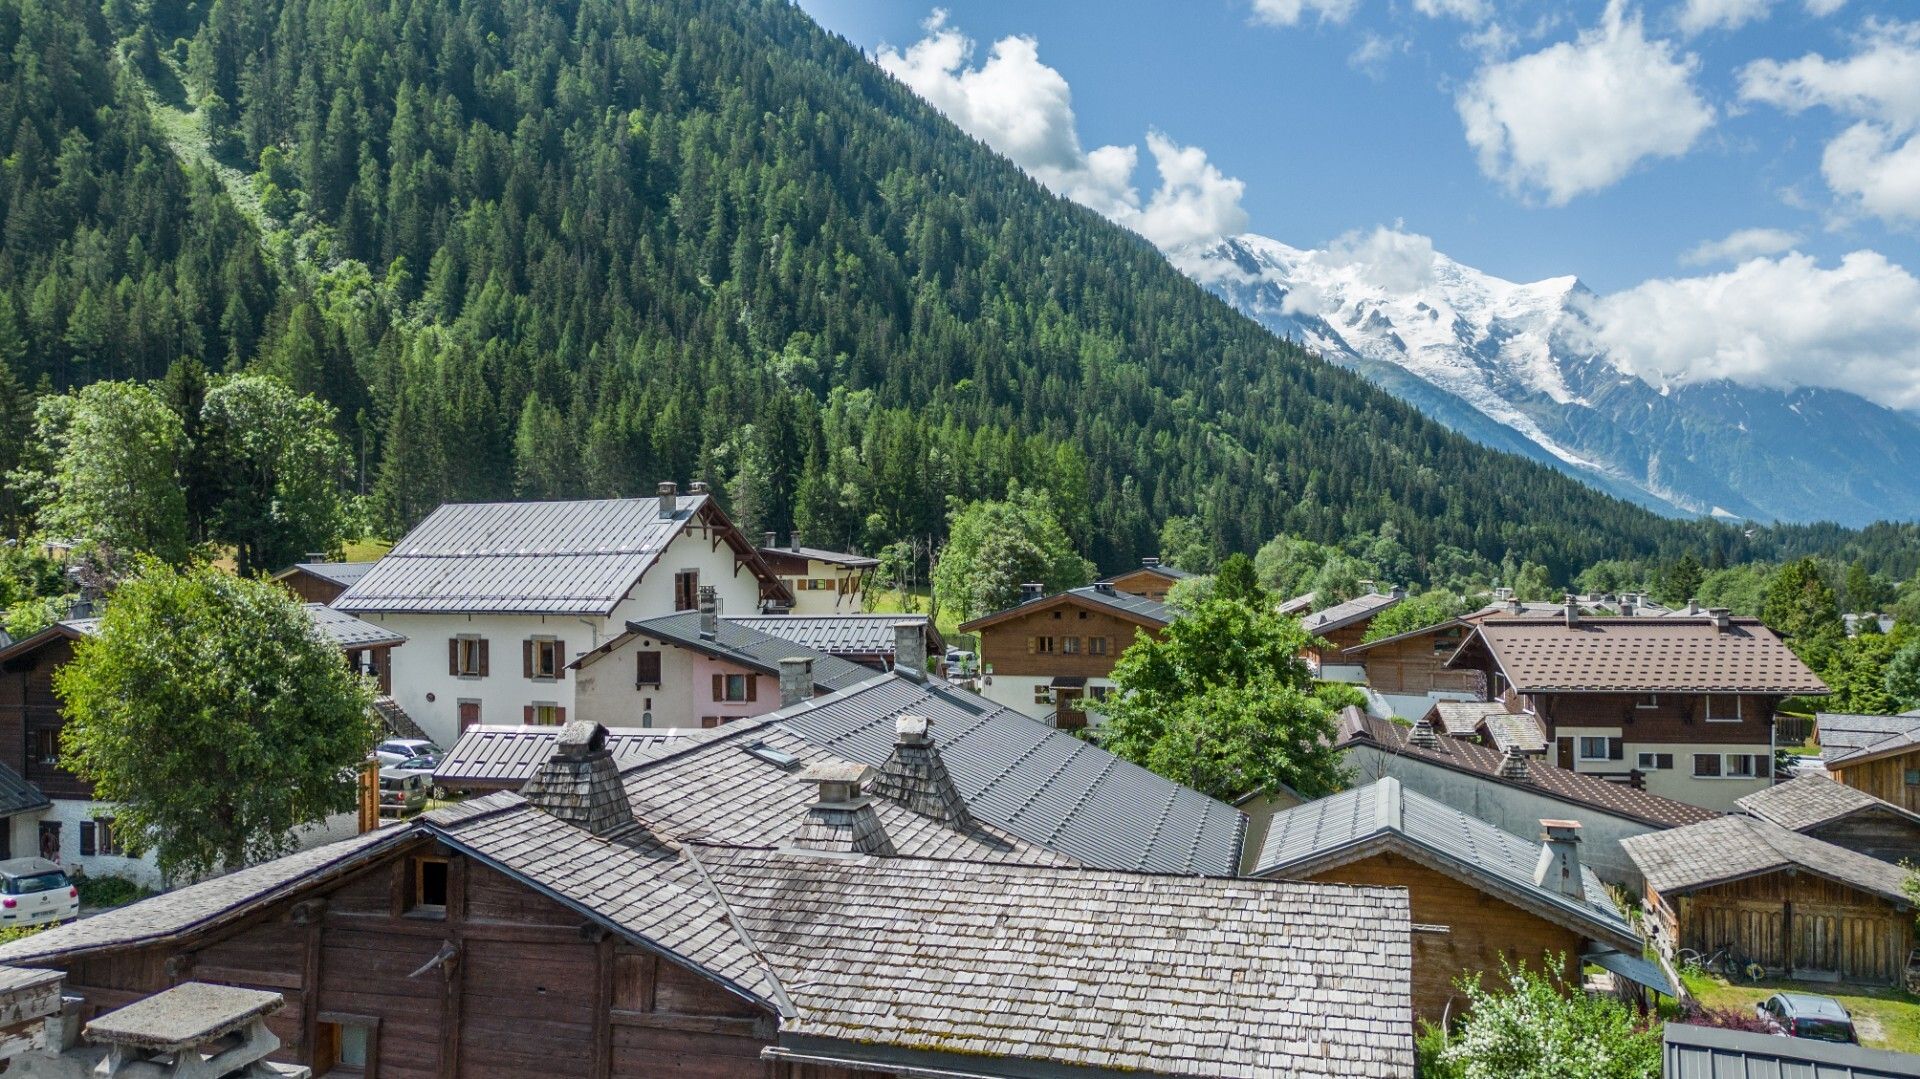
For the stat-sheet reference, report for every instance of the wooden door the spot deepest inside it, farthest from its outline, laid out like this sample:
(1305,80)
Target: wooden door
(469,714)
(1068,714)
(1566,753)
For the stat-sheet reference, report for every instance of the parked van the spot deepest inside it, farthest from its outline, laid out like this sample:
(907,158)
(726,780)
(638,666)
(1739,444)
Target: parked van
(403,791)
(34,891)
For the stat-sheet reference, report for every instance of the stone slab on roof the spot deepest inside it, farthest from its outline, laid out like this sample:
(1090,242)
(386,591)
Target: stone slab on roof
(1811,801)
(1733,847)
(1642,655)
(1843,737)
(841,634)
(1354,823)
(1575,788)
(1077,968)
(183,1017)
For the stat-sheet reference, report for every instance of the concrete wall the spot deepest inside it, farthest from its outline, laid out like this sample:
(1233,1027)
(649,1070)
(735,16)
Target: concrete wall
(420,668)
(1512,809)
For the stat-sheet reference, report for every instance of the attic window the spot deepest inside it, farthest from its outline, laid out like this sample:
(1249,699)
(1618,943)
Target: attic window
(786,762)
(428,894)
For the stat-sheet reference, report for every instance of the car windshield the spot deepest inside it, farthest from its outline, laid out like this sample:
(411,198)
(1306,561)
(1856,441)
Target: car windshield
(39,882)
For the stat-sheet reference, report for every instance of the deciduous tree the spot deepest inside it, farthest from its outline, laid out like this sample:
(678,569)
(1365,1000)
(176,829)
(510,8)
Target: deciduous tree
(285,472)
(993,547)
(106,468)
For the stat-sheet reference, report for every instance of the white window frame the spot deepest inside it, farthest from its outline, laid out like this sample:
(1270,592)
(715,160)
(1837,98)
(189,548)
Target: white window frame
(552,707)
(1746,762)
(1708,709)
(1580,747)
(1650,761)
(1647,701)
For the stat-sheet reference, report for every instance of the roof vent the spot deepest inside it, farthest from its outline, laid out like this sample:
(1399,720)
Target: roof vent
(1513,765)
(1423,735)
(841,819)
(669,498)
(580,784)
(1558,869)
(914,776)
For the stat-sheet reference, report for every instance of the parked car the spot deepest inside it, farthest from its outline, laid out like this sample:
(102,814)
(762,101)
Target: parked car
(403,791)
(34,891)
(961,662)
(400,750)
(424,763)
(1803,1015)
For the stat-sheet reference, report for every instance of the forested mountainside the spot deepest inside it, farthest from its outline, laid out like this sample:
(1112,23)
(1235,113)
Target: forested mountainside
(569,248)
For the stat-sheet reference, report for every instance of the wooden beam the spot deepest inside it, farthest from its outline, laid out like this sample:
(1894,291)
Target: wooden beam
(602,1061)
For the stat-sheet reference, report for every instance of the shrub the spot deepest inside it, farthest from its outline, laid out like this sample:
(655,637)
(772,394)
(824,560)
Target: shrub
(108,890)
(1535,1026)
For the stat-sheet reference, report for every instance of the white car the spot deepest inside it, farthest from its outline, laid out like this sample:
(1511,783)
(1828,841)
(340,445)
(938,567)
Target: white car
(961,662)
(34,891)
(396,751)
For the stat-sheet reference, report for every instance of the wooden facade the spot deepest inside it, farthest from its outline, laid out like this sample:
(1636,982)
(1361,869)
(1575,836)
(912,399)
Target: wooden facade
(494,980)
(1793,922)
(1876,833)
(1146,582)
(1458,929)
(1061,637)
(1416,665)
(310,587)
(31,719)
(1893,778)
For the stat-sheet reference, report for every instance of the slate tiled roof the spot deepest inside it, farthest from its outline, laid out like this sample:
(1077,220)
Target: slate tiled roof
(1811,801)
(1349,612)
(506,756)
(1033,780)
(1075,968)
(17,795)
(169,914)
(529,557)
(1730,848)
(1843,738)
(1138,608)
(1517,730)
(841,634)
(1642,655)
(747,647)
(343,574)
(1462,719)
(349,632)
(1383,815)
(1574,788)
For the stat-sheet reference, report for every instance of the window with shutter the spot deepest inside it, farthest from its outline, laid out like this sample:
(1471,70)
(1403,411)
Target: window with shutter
(719,687)
(646,668)
(1616,749)
(453,656)
(483,657)
(559,659)
(526,659)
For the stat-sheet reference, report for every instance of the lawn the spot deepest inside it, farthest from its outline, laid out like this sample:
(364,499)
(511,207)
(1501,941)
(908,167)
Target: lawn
(1886,1018)
(367,550)
(891,602)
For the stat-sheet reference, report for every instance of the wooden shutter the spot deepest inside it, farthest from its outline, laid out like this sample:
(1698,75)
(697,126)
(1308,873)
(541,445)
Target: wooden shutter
(526,659)
(483,657)
(1616,749)
(86,837)
(560,716)
(753,687)
(526,715)
(453,655)
(719,687)
(646,668)
(559,660)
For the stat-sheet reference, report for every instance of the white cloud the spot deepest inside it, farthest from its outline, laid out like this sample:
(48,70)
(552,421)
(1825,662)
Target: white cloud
(1390,259)
(1578,116)
(1740,246)
(1371,55)
(1469,10)
(1820,9)
(1291,12)
(1873,164)
(1778,322)
(1699,16)
(1024,109)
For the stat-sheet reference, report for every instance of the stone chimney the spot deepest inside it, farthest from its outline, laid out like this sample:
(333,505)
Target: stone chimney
(1513,765)
(915,776)
(796,680)
(580,784)
(1722,618)
(709,612)
(1031,591)
(1423,735)
(841,819)
(1559,867)
(910,650)
(1572,610)
(1514,606)
(1693,606)
(1398,591)
(1629,604)
(793,539)
(669,498)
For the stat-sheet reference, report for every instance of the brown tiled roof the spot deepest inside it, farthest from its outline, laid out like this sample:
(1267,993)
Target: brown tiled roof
(1643,655)
(1732,847)
(1358,728)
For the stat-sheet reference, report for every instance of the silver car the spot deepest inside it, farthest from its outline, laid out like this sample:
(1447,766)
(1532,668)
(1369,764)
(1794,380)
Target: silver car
(34,891)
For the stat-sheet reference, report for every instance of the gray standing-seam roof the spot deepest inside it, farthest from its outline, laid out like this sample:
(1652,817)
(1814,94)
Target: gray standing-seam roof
(1356,823)
(489,755)
(1844,737)
(343,574)
(821,554)
(1734,847)
(745,646)
(524,557)
(1349,612)
(17,795)
(1035,781)
(348,632)
(1696,1052)
(1078,969)
(1811,801)
(1158,569)
(841,634)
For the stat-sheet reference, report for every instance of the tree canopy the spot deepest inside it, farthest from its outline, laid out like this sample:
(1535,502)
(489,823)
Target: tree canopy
(995,546)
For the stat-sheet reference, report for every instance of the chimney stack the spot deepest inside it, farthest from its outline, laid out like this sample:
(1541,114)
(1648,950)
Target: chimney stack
(316,556)
(1514,606)
(915,776)
(1572,609)
(1105,588)
(793,539)
(769,540)
(910,650)
(669,498)
(1398,591)
(1031,591)
(841,819)
(709,612)
(1423,735)
(697,487)
(1722,618)
(1513,764)
(1693,606)
(1628,605)
(1367,588)
(1559,867)
(1150,561)
(580,784)
(796,680)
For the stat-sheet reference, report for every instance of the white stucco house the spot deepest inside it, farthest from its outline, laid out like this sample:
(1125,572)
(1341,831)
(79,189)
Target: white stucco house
(498,598)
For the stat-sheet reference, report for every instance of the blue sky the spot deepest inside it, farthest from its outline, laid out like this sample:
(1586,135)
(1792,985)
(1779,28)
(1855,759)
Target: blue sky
(1527,139)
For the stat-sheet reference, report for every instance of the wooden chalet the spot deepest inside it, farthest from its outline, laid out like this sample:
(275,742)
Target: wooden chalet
(823,582)
(1050,654)
(1413,665)
(1151,579)
(1342,626)
(753,906)
(319,581)
(1876,754)
(1478,894)
(1796,905)
(1818,806)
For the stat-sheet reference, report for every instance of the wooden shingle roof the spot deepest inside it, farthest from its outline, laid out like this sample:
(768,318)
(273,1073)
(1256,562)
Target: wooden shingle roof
(1811,801)
(1734,847)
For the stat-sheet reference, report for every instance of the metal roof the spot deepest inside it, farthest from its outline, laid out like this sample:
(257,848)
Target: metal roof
(1138,608)
(17,795)
(1634,969)
(842,634)
(750,648)
(507,756)
(819,554)
(1642,655)
(1696,1052)
(348,632)
(1733,847)
(1158,569)
(528,557)
(1035,781)
(1352,823)
(340,573)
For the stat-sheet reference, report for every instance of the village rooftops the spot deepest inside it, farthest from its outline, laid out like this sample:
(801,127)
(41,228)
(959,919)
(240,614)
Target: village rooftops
(576,558)
(1102,596)
(1384,816)
(1640,655)
(1357,609)
(348,633)
(499,757)
(1462,719)
(841,634)
(1735,847)
(1575,788)
(1811,801)
(735,643)
(1847,740)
